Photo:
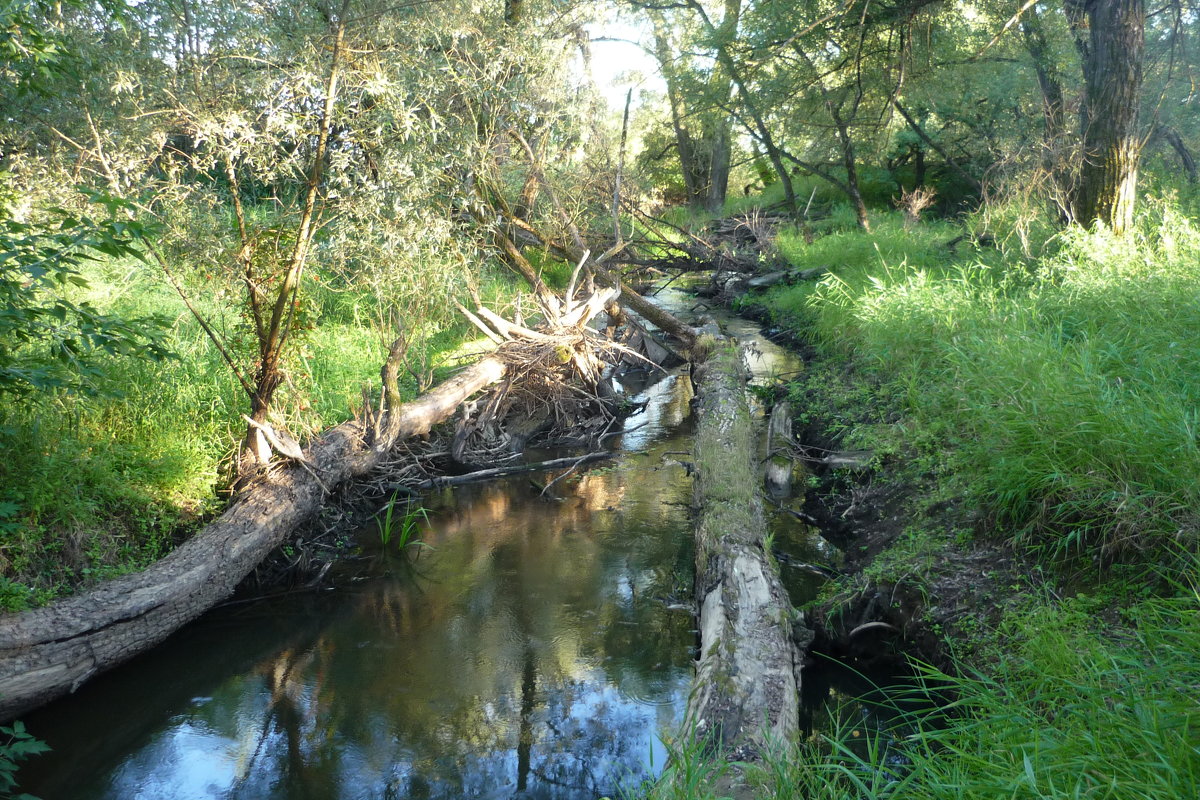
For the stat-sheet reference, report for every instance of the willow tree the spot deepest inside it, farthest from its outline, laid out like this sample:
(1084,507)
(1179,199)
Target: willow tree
(698,94)
(1111,38)
(272,145)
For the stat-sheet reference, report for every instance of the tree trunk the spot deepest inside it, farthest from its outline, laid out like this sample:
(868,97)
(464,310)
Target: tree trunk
(693,168)
(856,200)
(1185,156)
(49,652)
(1054,111)
(718,167)
(1112,70)
(937,148)
(721,144)
(759,130)
(746,693)
(273,335)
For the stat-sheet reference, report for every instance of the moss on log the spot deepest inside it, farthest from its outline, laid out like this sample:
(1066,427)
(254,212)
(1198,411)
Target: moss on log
(747,683)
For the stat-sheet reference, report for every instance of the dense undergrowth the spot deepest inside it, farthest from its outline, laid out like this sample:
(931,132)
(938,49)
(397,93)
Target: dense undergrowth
(1065,710)
(1045,381)
(100,482)
(1060,388)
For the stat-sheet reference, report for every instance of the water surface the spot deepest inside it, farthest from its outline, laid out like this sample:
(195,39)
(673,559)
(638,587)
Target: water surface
(537,648)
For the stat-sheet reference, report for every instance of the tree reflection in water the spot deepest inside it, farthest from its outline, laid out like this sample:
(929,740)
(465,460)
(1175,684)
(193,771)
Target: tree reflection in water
(530,654)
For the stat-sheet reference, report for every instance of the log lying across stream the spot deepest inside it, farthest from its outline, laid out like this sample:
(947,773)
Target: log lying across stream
(48,652)
(748,679)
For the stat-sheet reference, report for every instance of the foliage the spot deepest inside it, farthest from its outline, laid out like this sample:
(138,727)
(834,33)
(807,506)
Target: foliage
(192,114)
(402,526)
(1060,387)
(53,342)
(1068,708)
(19,745)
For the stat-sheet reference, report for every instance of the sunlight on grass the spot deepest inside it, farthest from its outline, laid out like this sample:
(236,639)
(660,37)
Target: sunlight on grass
(1070,381)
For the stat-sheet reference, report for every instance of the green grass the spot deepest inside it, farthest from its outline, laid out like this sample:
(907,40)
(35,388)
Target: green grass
(92,487)
(1045,390)
(1063,388)
(1069,707)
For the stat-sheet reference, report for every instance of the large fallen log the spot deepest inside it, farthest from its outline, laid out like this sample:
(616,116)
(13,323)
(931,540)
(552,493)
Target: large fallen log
(746,692)
(51,651)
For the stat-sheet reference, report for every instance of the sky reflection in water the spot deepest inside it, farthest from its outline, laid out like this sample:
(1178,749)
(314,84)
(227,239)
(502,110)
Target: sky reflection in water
(530,653)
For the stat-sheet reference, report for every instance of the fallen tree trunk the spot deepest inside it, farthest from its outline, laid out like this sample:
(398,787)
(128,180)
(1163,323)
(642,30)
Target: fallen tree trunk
(51,651)
(780,464)
(746,692)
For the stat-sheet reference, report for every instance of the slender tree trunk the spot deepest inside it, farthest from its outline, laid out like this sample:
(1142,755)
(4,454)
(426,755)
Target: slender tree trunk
(1054,111)
(760,129)
(693,167)
(856,200)
(1112,71)
(937,148)
(721,144)
(1053,105)
(1185,156)
(274,335)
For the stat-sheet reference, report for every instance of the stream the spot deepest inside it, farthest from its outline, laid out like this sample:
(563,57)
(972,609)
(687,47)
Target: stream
(530,647)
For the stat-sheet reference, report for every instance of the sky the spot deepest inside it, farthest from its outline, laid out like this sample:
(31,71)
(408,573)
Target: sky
(618,63)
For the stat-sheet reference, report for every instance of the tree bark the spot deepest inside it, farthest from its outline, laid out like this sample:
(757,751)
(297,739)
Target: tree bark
(746,693)
(49,652)
(760,130)
(1112,70)
(693,168)
(273,336)
(1054,111)
(721,139)
(1185,156)
(924,137)
(848,160)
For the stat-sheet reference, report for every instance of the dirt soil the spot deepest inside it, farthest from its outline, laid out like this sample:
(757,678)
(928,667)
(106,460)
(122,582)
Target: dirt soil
(935,592)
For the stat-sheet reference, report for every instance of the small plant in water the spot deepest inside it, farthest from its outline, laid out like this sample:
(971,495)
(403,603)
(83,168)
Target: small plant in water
(401,525)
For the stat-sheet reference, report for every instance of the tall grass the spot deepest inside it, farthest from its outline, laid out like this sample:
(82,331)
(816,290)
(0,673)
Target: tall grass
(1069,707)
(1064,387)
(91,487)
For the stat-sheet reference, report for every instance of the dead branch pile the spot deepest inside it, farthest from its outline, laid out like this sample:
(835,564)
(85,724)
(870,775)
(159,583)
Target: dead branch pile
(732,250)
(557,385)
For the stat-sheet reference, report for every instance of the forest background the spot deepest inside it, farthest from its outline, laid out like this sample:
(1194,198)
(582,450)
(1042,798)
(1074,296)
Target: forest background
(218,209)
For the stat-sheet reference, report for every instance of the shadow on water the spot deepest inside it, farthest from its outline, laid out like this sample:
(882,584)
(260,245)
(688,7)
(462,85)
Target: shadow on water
(535,649)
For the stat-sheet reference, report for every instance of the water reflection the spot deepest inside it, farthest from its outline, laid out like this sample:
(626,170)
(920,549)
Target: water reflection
(537,651)
(531,653)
